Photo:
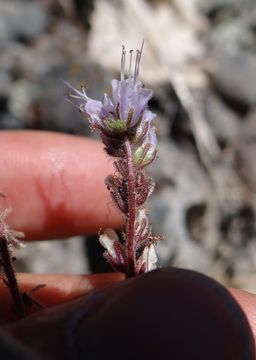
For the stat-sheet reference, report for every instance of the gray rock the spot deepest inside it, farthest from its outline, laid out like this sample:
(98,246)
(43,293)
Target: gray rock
(208,5)
(231,54)
(22,95)
(5,83)
(57,113)
(246,152)
(231,36)
(9,56)
(9,122)
(224,9)
(181,185)
(57,256)
(22,20)
(234,76)
(223,121)
(247,128)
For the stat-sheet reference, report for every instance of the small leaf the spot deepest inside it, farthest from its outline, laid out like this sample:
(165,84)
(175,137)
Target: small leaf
(142,229)
(109,240)
(148,259)
(121,167)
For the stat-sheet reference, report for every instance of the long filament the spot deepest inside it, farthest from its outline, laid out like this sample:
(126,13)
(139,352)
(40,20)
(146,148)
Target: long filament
(123,63)
(130,64)
(137,62)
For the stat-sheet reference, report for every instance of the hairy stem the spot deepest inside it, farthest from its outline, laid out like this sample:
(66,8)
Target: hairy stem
(130,222)
(12,283)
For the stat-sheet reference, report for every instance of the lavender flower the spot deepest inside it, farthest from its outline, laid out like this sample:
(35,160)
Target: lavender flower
(125,113)
(125,126)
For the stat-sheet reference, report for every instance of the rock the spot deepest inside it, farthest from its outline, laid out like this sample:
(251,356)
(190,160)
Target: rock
(246,281)
(245,156)
(9,58)
(5,84)
(180,186)
(208,5)
(223,10)
(22,95)
(233,35)
(247,128)
(55,256)
(230,52)
(234,77)
(9,122)
(59,114)
(84,10)
(246,162)
(223,121)
(23,20)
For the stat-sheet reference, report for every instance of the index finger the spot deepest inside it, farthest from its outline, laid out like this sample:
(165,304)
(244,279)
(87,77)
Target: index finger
(55,184)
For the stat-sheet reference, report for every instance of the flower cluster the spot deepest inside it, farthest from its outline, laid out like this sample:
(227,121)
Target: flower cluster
(124,114)
(125,126)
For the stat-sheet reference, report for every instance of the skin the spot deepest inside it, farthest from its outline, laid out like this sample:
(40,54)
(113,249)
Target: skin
(55,185)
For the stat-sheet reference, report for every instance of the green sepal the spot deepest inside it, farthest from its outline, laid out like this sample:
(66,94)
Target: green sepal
(116,126)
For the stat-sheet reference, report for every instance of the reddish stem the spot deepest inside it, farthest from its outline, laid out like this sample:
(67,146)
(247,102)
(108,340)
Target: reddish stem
(12,283)
(130,222)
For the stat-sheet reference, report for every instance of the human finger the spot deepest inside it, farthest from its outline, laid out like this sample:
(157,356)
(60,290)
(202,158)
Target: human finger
(55,184)
(175,313)
(247,302)
(46,290)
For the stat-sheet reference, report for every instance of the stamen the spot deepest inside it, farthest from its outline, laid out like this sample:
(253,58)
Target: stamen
(123,62)
(77,94)
(137,62)
(130,63)
(83,90)
(136,70)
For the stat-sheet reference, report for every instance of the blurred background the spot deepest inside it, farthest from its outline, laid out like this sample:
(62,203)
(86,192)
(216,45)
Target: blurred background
(200,59)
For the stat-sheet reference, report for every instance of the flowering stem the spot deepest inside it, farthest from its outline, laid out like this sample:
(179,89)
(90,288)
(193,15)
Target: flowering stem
(132,209)
(12,283)
(125,126)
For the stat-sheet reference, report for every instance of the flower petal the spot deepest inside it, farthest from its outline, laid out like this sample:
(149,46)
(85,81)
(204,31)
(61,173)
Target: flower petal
(94,108)
(108,104)
(130,96)
(140,101)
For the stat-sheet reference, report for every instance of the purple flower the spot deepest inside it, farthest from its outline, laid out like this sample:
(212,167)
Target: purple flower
(126,110)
